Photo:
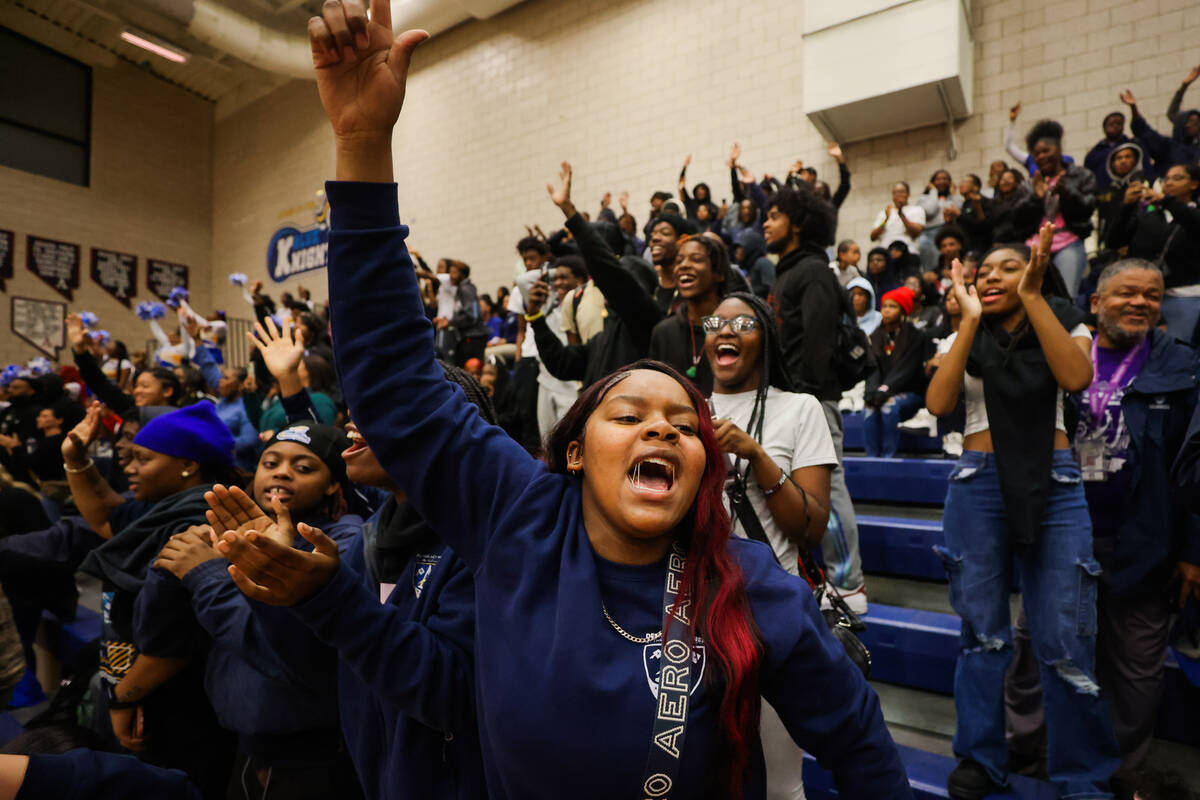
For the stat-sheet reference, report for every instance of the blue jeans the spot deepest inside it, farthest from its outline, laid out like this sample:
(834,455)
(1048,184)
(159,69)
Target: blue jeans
(881,431)
(1181,315)
(1058,575)
(1071,262)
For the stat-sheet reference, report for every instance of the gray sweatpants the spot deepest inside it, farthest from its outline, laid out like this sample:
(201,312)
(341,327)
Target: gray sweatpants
(843,562)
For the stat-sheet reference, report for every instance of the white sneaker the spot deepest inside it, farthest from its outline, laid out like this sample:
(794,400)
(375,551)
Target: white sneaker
(952,444)
(921,422)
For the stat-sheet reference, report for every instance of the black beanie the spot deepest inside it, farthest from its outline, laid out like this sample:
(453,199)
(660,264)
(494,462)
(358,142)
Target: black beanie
(325,441)
(681,225)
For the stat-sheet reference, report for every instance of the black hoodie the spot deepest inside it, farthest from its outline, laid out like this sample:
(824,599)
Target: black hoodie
(809,303)
(632,315)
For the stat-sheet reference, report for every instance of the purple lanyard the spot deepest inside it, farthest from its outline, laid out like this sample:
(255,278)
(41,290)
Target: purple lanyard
(1098,400)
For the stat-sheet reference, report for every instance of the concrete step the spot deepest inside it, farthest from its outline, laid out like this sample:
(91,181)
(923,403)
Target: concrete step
(927,773)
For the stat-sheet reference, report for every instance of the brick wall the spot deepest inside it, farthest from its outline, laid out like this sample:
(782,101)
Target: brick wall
(150,194)
(625,88)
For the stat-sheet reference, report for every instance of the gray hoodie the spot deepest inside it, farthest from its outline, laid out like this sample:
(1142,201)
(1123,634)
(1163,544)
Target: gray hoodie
(869,321)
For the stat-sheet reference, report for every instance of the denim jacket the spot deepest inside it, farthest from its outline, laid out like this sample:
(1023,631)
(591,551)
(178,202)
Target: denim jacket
(1157,407)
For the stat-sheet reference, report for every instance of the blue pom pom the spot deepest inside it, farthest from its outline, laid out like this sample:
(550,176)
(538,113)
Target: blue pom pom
(238,279)
(9,374)
(40,366)
(102,336)
(149,311)
(88,319)
(176,295)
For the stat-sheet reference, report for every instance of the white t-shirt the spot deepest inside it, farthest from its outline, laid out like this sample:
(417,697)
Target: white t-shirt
(112,368)
(795,435)
(445,296)
(977,418)
(894,230)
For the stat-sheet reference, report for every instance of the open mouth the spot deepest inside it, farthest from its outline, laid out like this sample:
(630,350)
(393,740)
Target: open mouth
(727,354)
(652,474)
(282,492)
(991,295)
(685,280)
(357,442)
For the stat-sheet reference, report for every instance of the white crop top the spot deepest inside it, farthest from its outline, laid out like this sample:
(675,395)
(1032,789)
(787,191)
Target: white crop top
(977,419)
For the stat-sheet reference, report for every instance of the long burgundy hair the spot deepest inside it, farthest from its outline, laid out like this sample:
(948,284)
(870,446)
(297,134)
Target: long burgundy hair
(711,578)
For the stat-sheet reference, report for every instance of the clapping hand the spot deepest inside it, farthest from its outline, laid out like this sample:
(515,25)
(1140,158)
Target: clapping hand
(185,551)
(1039,259)
(231,509)
(967,296)
(76,443)
(279,574)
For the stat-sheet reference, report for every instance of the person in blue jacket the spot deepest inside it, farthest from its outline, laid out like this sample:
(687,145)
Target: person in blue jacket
(269,680)
(156,706)
(1131,426)
(405,687)
(615,617)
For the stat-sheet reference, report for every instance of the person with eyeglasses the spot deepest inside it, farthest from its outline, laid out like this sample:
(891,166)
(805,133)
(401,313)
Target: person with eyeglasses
(780,455)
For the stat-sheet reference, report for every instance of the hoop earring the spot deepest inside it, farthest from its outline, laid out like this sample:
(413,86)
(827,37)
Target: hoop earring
(185,474)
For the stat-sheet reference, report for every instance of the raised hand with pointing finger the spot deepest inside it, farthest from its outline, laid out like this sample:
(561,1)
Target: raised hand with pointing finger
(361,74)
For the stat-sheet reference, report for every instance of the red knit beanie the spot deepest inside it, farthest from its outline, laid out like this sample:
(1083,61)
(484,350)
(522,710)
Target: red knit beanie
(902,296)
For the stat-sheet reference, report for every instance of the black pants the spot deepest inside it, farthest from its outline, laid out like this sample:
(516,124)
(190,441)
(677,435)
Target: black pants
(254,780)
(525,391)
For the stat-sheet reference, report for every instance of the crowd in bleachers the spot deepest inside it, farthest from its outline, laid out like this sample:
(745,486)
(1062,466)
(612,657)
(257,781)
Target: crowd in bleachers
(435,570)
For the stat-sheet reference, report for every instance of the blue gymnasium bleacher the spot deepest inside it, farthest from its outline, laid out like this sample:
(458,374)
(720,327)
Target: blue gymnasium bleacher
(909,442)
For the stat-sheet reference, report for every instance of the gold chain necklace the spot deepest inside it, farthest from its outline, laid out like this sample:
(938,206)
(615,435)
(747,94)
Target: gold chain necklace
(647,639)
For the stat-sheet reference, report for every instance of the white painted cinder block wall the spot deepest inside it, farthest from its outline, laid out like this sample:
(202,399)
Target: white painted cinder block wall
(625,88)
(150,195)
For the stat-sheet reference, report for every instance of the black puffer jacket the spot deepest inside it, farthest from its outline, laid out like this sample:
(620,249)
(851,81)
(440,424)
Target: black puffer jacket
(1076,193)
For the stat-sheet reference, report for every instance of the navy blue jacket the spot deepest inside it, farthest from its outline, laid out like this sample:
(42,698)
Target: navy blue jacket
(405,687)
(90,775)
(1156,525)
(565,705)
(266,676)
(1165,151)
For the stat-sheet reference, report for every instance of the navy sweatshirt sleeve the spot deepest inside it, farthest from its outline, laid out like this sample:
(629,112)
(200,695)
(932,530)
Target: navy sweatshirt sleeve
(822,698)
(423,668)
(264,636)
(299,407)
(90,775)
(462,475)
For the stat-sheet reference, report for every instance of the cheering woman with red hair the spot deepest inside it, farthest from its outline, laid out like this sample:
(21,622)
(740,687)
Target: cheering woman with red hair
(623,639)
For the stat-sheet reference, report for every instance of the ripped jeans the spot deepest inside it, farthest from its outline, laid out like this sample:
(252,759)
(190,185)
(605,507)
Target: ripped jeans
(1058,576)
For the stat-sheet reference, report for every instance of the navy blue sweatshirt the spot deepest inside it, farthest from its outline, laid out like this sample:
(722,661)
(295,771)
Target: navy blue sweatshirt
(565,704)
(405,688)
(268,679)
(90,775)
